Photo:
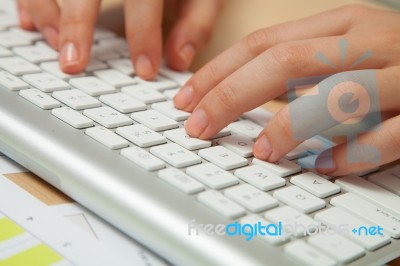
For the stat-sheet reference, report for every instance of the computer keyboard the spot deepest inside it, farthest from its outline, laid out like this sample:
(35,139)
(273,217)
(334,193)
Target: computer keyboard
(116,144)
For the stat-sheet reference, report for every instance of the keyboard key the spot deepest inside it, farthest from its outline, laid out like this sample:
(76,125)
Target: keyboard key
(282,167)
(168,109)
(160,83)
(54,69)
(246,128)
(100,33)
(212,176)
(123,65)
(259,116)
(308,255)
(180,77)
(142,158)
(107,137)
(72,117)
(108,117)
(154,120)
(46,82)
(315,184)
(370,212)
(251,198)
(141,135)
(180,180)
(221,204)
(32,36)
(337,246)
(92,86)
(5,52)
(36,54)
(95,65)
(175,155)
(223,157)
(270,239)
(18,66)
(371,192)
(337,217)
(290,218)
(388,179)
(39,98)
(143,93)
(114,77)
(103,53)
(9,39)
(11,82)
(299,199)
(180,136)
(170,94)
(224,132)
(123,102)
(76,99)
(239,144)
(260,177)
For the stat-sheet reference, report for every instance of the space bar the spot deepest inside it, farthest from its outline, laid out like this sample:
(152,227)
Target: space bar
(371,192)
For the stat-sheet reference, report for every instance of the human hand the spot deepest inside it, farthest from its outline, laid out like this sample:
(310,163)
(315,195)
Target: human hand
(69,28)
(256,70)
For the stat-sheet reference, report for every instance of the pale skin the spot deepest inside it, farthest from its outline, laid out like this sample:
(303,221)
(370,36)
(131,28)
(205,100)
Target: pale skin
(251,72)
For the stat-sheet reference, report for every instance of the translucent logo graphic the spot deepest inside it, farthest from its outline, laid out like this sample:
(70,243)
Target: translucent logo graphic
(348,101)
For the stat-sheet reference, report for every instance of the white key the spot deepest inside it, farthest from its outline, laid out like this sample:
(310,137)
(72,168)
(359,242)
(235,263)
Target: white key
(103,53)
(18,66)
(299,199)
(108,117)
(46,82)
(337,246)
(92,86)
(223,157)
(371,192)
(315,184)
(221,204)
(143,93)
(123,65)
(160,83)
(259,116)
(283,167)
(175,155)
(76,99)
(9,39)
(123,102)
(36,54)
(5,52)
(180,77)
(290,218)
(141,135)
(11,82)
(72,117)
(239,144)
(338,218)
(154,120)
(170,94)
(100,33)
(388,179)
(180,136)
(370,212)
(247,128)
(307,255)
(251,198)
(95,64)
(107,137)
(167,108)
(180,180)
(54,69)
(224,132)
(114,77)
(260,177)
(143,158)
(212,176)
(32,36)
(297,152)
(40,98)
(270,239)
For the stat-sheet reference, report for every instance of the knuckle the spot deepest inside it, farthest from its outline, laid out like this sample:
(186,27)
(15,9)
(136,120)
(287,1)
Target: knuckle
(289,56)
(355,10)
(256,41)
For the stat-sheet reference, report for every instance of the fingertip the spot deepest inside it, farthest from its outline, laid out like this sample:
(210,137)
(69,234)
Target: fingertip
(184,97)
(325,163)
(262,148)
(144,67)
(25,20)
(52,36)
(70,58)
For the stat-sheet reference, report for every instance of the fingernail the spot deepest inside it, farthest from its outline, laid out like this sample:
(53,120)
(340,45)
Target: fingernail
(262,148)
(69,54)
(184,97)
(197,123)
(51,35)
(187,54)
(325,163)
(143,66)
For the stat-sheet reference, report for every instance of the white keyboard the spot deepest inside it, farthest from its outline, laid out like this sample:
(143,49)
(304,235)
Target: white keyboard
(136,120)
